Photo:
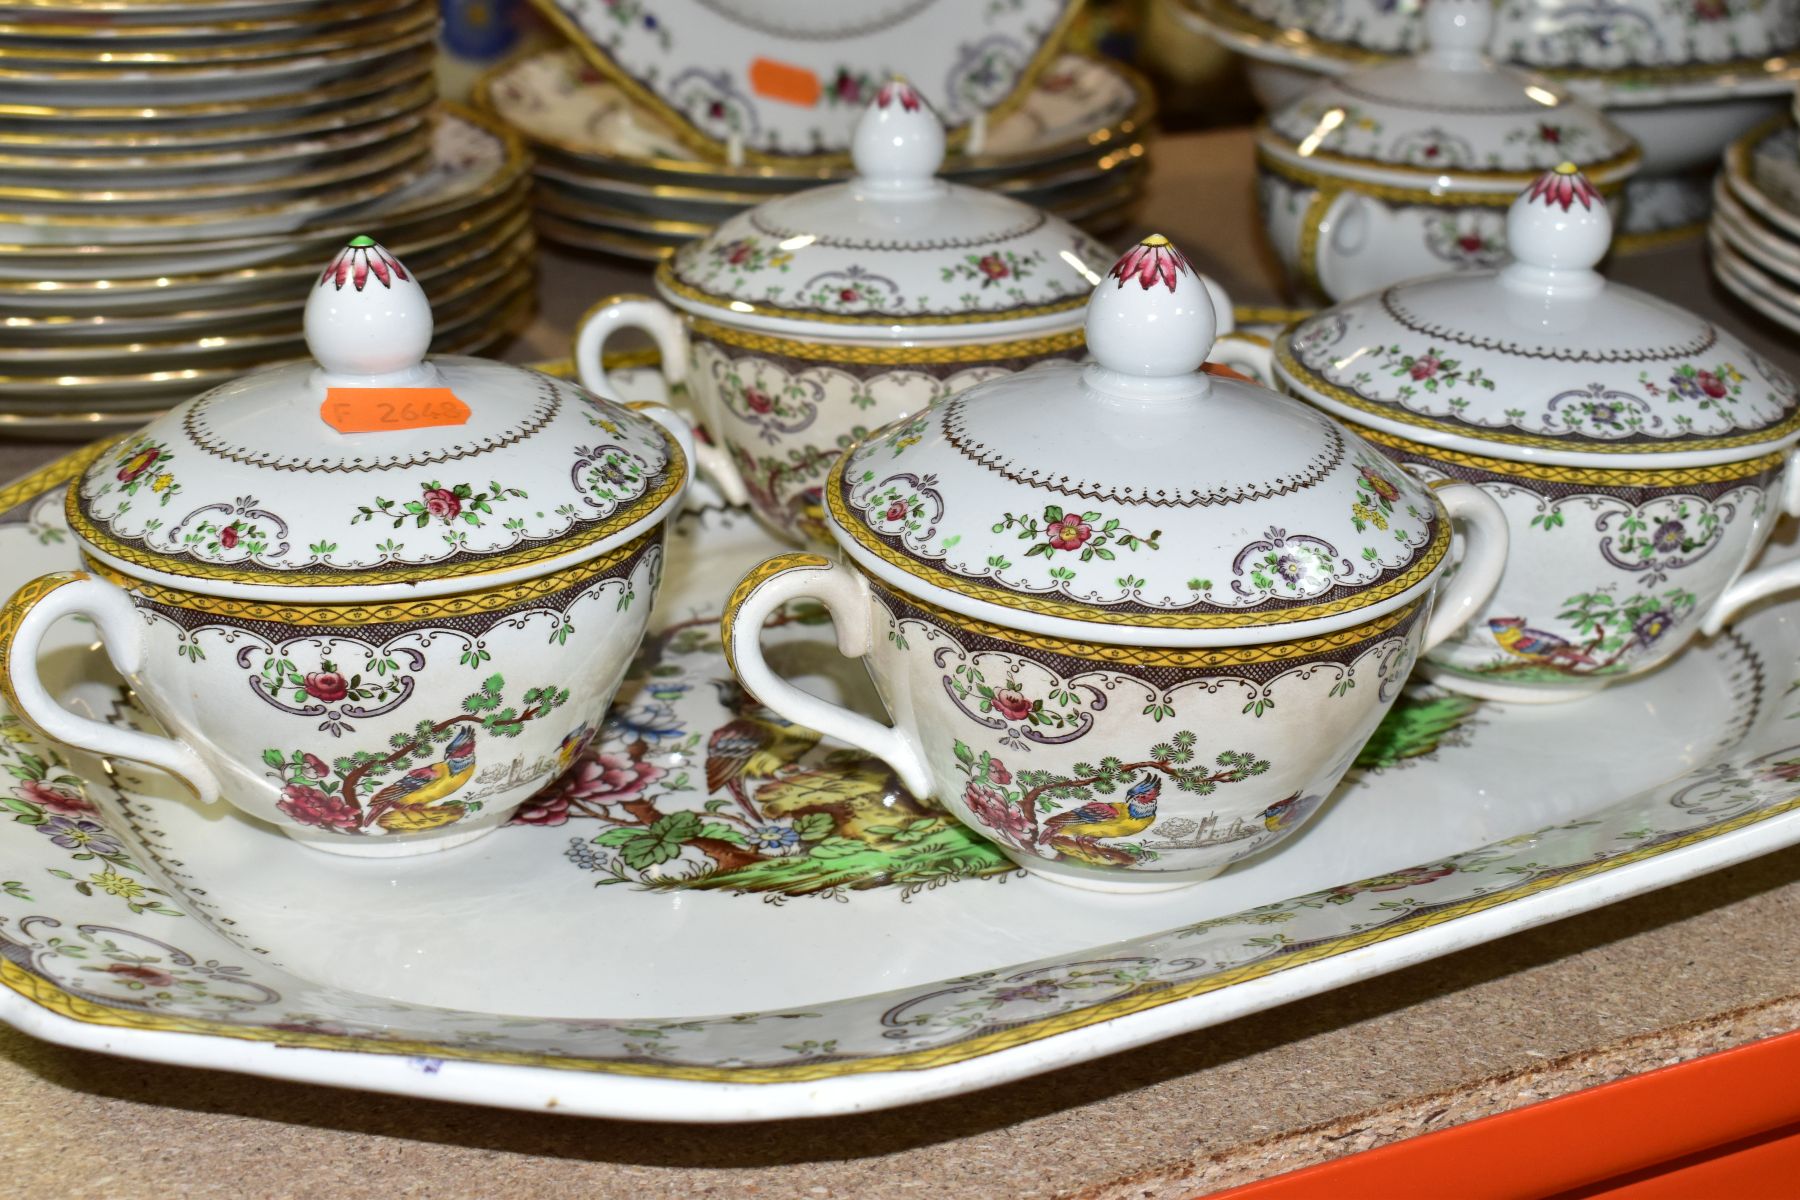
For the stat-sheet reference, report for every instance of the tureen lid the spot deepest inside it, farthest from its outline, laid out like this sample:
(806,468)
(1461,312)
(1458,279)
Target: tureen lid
(1451,113)
(1135,497)
(376,465)
(893,252)
(1542,359)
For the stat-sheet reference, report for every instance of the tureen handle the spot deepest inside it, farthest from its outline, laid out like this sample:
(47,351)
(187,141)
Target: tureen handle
(1747,587)
(845,595)
(1483,525)
(664,326)
(23,622)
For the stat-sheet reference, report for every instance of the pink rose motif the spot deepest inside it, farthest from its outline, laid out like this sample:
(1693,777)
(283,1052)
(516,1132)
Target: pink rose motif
(1711,384)
(148,976)
(139,463)
(758,400)
(998,773)
(1785,771)
(1070,533)
(1379,485)
(1395,881)
(314,766)
(605,778)
(326,686)
(442,504)
(1001,819)
(1011,704)
(897,511)
(737,253)
(310,806)
(993,266)
(1550,133)
(228,536)
(1470,243)
(545,808)
(1425,366)
(848,295)
(54,798)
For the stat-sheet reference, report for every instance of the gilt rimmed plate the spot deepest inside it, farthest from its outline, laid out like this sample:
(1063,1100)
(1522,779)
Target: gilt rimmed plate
(788,81)
(746,923)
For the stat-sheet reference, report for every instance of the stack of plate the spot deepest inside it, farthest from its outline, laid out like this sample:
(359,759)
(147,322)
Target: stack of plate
(173,173)
(1755,228)
(612,176)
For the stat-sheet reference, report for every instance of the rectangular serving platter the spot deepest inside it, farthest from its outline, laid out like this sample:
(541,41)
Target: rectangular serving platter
(626,951)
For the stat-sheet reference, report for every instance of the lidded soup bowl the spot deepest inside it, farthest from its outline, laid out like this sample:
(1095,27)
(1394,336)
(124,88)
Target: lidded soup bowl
(375,601)
(1408,168)
(1131,621)
(801,324)
(1640,453)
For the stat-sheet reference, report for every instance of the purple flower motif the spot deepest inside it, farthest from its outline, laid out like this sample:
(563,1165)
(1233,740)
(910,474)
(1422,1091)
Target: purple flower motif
(1035,993)
(74,833)
(1668,537)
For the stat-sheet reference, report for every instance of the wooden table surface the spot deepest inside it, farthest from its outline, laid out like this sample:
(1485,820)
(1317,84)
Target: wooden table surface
(1662,978)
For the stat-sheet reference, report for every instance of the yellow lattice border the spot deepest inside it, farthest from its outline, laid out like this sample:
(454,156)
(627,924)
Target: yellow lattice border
(352,616)
(674,478)
(833,352)
(52,998)
(1601,174)
(1674,477)
(665,278)
(1068,610)
(1307,379)
(1157,656)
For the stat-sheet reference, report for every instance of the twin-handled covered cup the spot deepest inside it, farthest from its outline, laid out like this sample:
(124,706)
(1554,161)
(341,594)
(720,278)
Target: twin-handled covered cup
(1131,621)
(376,601)
(802,324)
(1641,454)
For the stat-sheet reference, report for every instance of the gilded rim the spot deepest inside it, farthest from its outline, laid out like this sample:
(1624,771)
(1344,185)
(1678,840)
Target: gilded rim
(1235,20)
(1674,477)
(224,26)
(1608,174)
(625,245)
(1134,124)
(1304,378)
(1269,161)
(375,612)
(1048,48)
(1421,569)
(665,277)
(838,352)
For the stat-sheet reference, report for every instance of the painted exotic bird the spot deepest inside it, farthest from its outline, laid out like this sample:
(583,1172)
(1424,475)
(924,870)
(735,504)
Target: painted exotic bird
(1534,645)
(1291,811)
(573,743)
(423,786)
(1106,819)
(754,744)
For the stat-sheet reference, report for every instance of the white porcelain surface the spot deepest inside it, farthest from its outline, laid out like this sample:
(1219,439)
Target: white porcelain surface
(783,81)
(1503,818)
(347,587)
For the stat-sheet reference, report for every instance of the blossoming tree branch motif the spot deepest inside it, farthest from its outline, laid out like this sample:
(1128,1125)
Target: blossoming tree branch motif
(1612,628)
(446,504)
(1083,533)
(1009,804)
(423,797)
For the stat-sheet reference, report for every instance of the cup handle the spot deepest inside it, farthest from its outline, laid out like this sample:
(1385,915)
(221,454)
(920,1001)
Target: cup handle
(665,328)
(1747,586)
(845,595)
(23,622)
(1321,226)
(1485,541)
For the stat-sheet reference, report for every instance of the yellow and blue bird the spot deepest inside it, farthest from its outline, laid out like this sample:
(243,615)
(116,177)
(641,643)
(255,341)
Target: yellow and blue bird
(408,802)
(1285,814)
(1534,645)
(1099,819)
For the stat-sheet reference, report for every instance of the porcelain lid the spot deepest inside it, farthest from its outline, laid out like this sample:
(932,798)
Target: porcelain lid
(1136,493)
(1450,111)
(1544,358)
(894,251)
(376,465)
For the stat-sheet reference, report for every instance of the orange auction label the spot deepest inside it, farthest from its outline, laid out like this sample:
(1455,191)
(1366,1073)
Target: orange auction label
(785,82)
(377,410)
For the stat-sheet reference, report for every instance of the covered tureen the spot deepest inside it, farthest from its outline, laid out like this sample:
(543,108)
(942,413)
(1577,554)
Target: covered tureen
(1132,621)
(375,600)
(1640,452)
(805,322)
(1407,168)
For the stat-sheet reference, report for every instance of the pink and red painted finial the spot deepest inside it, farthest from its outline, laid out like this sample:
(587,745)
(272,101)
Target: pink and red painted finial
(1153,260)
(898,145)
(1559,224)
(1155,324)
(898,91)
(1564,186)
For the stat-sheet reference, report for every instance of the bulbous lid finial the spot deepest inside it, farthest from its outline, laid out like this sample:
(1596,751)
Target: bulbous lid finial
(1152,316)
(367,319)
(899,142)
(1456,31)
(1559,224)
